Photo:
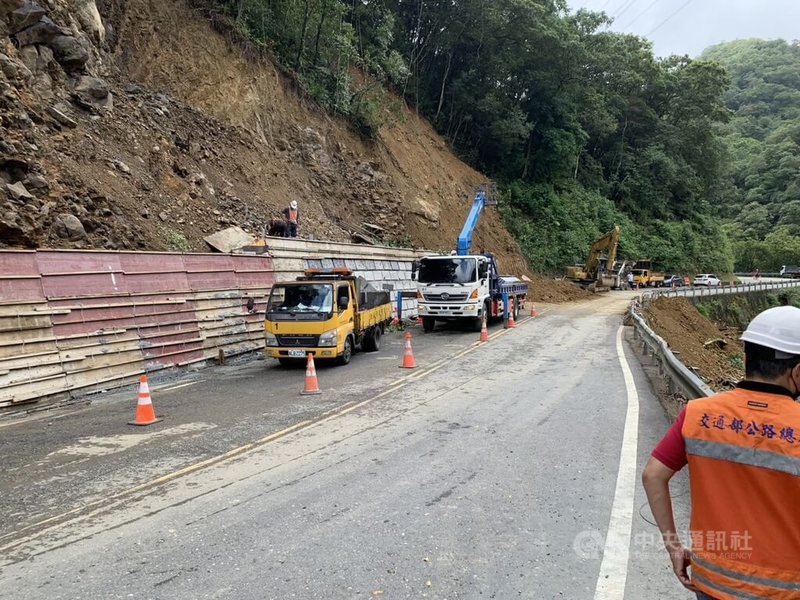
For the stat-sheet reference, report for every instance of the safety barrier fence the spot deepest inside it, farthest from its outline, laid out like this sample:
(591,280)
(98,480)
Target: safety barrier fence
(699,292)
(76,322)
(682,379)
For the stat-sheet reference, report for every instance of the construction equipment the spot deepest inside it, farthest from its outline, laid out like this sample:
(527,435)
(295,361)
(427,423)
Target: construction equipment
(645,276)
(324,314)
(463,285)
(598,272)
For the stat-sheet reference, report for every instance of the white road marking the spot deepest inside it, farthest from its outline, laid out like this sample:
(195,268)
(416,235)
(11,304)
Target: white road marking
(614,567)
(174,387)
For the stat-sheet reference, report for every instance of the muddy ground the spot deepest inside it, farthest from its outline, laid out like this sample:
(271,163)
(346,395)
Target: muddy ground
(712,349)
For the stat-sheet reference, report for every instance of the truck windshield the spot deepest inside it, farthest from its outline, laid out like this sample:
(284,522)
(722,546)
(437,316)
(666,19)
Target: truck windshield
(447,270)
(305,298)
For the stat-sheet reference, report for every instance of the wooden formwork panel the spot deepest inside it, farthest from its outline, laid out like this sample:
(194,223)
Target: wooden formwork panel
(154,272)
(10,345)
(31,390)
(209,272)
(117,374)
(28,360)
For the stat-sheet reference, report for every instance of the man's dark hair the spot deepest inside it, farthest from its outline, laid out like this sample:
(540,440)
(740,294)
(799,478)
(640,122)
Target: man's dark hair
(760,361)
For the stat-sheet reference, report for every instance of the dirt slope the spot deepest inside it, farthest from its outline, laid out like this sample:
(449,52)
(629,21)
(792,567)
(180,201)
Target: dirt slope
(417,188)
(687,331)
(158,127)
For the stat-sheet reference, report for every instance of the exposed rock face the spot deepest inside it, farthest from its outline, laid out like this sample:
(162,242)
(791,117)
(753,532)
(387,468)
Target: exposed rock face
(89,18)
(203,140)
(25,16)
(68,51)
(69,227)
(7,6)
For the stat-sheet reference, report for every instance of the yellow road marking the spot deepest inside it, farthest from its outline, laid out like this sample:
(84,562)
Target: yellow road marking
(159,480)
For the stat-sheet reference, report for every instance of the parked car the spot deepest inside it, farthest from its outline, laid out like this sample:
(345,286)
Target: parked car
(706,279)
(673,280)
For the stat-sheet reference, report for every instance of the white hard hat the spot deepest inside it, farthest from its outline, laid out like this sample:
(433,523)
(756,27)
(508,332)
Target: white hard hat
(777,328)
(293,204)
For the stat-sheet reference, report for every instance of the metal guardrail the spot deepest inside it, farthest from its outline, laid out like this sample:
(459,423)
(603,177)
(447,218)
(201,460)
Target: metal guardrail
(681,379)
(722,290)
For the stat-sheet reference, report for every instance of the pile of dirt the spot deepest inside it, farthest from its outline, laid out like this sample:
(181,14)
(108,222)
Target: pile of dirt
(713,350)
(556,291)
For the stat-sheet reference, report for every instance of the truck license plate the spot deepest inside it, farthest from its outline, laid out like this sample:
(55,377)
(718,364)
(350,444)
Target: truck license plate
(297,353)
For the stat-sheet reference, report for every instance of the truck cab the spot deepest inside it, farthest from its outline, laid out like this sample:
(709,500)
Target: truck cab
(457,287)
(645,276)
(326,314)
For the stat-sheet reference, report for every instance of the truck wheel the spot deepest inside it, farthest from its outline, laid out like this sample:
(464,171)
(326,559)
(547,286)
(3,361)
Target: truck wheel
(428,323)
(477,323)
(347,353)
(372,343)
(516,309)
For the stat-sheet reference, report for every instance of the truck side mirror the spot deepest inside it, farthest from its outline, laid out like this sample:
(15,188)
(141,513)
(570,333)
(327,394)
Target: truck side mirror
(414,268)
(344,302)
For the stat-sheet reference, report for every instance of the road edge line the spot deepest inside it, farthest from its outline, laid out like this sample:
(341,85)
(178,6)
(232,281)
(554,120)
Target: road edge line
(614,566)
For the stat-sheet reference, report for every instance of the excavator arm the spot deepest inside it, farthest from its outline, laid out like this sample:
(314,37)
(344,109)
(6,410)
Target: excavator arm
(610,242)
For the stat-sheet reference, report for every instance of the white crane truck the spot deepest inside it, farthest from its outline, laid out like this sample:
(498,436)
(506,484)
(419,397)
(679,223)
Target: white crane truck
(463,286)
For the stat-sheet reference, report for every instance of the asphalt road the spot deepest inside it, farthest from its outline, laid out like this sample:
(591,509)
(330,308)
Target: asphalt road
(491,471)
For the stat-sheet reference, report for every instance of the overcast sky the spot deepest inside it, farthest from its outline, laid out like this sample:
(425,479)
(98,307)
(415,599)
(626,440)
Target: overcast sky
(690,26)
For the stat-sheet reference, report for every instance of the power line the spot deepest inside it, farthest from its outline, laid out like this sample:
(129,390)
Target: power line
(641,14)
(664,22)
(625,9)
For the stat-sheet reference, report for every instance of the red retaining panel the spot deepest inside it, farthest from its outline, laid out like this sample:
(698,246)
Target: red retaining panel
(84,320)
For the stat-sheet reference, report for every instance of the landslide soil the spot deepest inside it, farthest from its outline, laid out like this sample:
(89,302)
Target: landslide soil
(207,132)
(686,331)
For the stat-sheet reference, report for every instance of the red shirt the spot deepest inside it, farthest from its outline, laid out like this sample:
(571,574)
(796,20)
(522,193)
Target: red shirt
(671,450)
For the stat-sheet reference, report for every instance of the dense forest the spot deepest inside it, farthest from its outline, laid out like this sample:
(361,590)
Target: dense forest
(581,127)
(763,141)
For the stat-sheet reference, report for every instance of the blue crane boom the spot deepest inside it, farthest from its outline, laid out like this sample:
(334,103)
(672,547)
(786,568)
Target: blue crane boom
(465,238)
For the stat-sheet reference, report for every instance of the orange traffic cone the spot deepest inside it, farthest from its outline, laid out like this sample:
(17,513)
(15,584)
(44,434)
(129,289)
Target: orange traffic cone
(145,413)
(511,322)
(534,314)
(409,362)
(484,332)
(312,385)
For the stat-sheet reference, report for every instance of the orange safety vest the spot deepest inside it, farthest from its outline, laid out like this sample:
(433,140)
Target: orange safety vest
(743,448)
(292,215)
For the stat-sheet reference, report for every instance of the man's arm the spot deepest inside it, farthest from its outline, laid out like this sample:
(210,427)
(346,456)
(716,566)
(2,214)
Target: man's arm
(655,479)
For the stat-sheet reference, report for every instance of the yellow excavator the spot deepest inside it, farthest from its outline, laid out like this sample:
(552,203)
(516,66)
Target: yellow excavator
(597,273)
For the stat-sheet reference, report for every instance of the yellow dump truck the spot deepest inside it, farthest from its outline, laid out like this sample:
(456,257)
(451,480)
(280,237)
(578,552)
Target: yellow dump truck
(327,313)
(645,276)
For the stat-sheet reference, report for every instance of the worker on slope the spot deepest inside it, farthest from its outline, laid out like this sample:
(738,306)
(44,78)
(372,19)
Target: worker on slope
(291,214)
(743,451)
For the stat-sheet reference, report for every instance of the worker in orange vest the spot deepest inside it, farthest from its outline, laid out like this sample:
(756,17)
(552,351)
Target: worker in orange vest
(290,214)
(743,451)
